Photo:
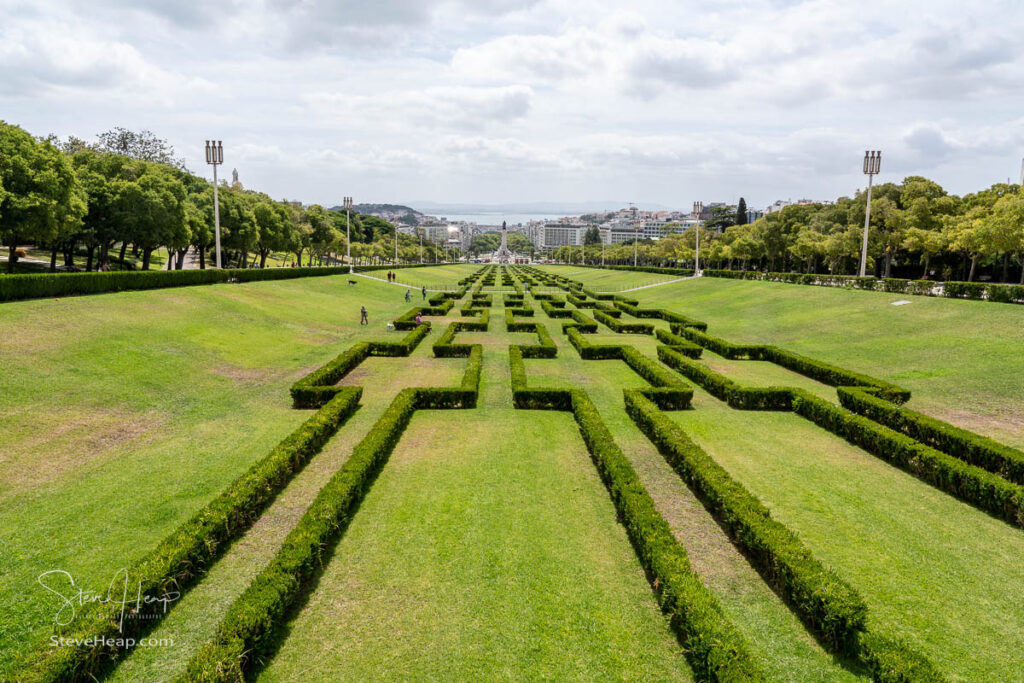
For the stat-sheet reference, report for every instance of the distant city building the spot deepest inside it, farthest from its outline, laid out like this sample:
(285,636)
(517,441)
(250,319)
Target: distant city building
(753,215)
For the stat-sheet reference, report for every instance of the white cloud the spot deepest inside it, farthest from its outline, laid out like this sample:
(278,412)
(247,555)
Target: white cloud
(535,99)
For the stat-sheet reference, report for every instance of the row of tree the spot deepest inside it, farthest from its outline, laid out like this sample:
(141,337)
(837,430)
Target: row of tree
(917,230)
(128,191)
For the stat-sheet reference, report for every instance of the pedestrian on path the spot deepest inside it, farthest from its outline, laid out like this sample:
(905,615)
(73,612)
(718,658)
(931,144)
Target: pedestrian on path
(363,320)
(424,291)
(407,297)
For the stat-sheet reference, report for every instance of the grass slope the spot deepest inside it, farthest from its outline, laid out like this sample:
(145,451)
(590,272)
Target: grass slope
(961,359)
(124,413)
(605,280)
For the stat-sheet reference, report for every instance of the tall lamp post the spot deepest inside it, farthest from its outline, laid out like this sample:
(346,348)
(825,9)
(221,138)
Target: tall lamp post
(421,245)
(872,165)
(636,241)
(348,231)
(698,208)
(215,157)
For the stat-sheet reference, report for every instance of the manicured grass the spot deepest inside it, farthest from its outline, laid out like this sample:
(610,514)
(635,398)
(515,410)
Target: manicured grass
(935,571)
(431,276)
(487,548)
(124,413)
(195,619)
(779,639)
(961,359)
(605,280)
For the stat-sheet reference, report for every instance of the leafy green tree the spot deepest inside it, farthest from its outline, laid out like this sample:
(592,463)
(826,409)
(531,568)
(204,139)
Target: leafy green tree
(741,212)
(721,217)
(592,235)
(38,201)
(143,145)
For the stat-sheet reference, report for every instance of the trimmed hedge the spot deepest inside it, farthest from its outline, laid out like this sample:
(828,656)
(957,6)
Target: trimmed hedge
(188,551)
(723,388)
(631,307)
(407,320)
(972,448)
(319,386)
(1002,293)
(971,484)
(247,631)
(713,645)
(829,607)
(580,321)
(679,344)
(621,327)
(35,286)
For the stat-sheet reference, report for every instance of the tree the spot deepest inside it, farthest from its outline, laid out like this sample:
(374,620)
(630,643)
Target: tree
(720,218)
(1003,230)
(144,146)
(592,236)
(741,212)
(38,200)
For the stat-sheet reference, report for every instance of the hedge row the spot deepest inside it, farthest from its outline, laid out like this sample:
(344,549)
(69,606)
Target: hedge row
(679,344)
(971,484)
(188,551)
(723,388)
(714,647)
(544,348)
(15,288)
(829,607)
(445,347)
(621,327)
(407,321)
(525,397)
(953,290)
(823,372)
(631,307)
(973,448)
(580,321)
(247,631)
(683,272)
(320,386)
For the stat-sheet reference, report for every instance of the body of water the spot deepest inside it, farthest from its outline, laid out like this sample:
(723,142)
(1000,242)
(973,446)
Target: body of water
(495,218)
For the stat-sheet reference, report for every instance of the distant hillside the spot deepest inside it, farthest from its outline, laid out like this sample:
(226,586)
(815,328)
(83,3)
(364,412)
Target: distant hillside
(396,213)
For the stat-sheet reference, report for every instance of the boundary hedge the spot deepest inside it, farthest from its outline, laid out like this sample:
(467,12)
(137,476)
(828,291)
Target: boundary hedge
(713,645)
(972,448)
(49,285)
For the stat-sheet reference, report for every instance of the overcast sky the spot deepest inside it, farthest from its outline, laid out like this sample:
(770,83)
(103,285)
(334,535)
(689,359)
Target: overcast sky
(498,101)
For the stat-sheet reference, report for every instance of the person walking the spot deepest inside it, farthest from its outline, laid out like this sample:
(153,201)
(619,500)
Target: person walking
(363,320)
(407,297)
(424,291)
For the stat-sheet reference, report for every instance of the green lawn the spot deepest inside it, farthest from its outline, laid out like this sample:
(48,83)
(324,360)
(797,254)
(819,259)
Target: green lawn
(124,413)
(488,547)
(430,276)
(934,571)
(962,360)
(605,280)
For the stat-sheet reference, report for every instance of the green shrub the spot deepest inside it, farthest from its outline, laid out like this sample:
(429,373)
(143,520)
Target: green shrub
(623,328)
(188,551)
(713,645)
(69,284)
(971,484)
(679,344)
(723,388)
(829,607)
(972,448)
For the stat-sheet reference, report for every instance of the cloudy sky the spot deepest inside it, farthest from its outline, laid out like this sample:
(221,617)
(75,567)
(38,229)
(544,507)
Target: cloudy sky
(499,101)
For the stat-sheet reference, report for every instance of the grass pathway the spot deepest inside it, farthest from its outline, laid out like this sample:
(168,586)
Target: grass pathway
(486,549)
